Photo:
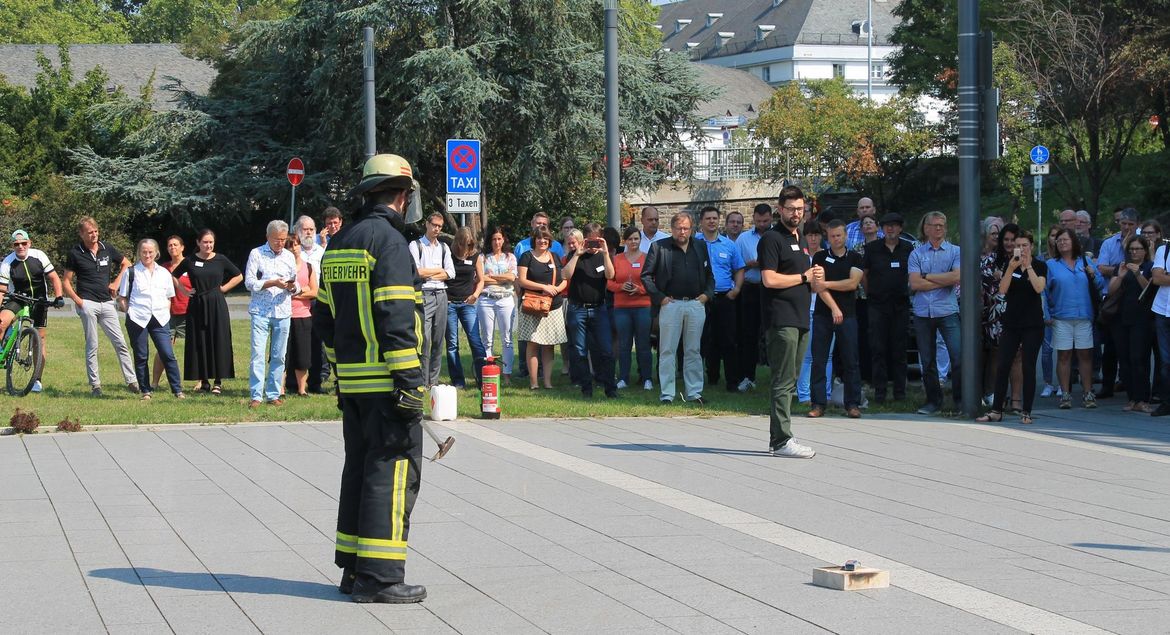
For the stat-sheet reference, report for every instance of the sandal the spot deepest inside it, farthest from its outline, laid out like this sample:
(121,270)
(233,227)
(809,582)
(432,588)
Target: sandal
(1025,418)
(1017,407)
(216,390)
(1065,401)
(992,416)
(1128,407)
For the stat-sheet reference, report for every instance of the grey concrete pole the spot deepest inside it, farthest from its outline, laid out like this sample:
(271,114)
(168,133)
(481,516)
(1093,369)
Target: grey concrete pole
(368,90)
(869,49)
(969,240)
(613,174)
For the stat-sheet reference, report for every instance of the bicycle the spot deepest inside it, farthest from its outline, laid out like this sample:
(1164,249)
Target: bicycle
(21,353)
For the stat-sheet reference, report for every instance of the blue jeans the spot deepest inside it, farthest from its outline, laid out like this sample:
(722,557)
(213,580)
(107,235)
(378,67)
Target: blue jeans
(1162,331)
(824,333)
(463,313)
(925,329)
(272,333)
(803,380)
(160,334)
(633,327)
(591,339)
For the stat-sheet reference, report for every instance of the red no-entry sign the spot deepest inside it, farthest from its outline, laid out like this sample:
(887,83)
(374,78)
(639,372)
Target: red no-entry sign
(296,171)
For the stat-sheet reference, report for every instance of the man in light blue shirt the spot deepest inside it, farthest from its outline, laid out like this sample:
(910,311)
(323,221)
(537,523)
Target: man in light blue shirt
(748,308)
(718,341)
(271,276)
(934,274)
(1112,253)
(539,219)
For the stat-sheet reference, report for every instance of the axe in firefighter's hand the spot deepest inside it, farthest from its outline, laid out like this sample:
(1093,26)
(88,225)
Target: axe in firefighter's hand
(444,446)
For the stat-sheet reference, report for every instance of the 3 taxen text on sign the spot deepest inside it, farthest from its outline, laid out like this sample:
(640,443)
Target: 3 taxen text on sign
(463,203)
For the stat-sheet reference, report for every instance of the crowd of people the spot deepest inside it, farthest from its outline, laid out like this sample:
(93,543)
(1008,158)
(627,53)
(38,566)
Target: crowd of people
(694,308)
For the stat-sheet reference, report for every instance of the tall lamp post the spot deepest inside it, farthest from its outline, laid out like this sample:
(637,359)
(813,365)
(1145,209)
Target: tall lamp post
(613,173)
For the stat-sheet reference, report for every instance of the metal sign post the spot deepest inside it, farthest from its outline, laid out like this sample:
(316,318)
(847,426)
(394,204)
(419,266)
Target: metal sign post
(296,174)
(1039,167)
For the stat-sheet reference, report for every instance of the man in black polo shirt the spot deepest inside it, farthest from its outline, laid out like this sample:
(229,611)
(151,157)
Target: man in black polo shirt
(887,285)
(90,262)
(677,276)
(590,335)
(836,316)
(788,280)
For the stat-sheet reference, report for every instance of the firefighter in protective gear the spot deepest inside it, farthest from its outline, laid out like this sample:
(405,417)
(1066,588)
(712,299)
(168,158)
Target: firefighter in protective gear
(368,316)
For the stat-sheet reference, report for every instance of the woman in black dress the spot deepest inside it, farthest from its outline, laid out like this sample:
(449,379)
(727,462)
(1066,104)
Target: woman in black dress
(1021,285)
(209,326)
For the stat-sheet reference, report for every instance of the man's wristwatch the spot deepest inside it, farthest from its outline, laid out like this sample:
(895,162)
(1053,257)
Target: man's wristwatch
(803,278)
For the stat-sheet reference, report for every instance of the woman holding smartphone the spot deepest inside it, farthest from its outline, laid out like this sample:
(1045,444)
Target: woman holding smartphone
(1021,285)
(1132,329)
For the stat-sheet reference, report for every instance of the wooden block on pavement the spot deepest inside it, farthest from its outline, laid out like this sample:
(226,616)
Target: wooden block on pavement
(842,580)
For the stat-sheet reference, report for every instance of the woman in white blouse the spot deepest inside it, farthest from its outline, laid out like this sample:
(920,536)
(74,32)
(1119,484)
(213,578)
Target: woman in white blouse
(145,295)
(496,306)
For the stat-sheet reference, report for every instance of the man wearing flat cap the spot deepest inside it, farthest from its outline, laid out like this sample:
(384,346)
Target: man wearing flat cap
(368,315)
(887,286)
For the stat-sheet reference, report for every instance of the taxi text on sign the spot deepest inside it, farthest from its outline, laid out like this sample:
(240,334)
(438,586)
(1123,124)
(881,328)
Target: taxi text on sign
(463,166)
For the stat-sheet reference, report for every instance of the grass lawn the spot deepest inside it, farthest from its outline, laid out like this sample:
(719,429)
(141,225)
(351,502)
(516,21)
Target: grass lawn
(67,395)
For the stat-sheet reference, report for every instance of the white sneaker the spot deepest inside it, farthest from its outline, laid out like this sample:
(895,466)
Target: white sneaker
(1048,391)
(621,384)
(36,387)
(1059,393)
(746,385)
(648,385)
(989,399)
(864,402)
(794,450)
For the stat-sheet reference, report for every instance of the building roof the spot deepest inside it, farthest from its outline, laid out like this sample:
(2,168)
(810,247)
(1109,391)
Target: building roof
(129,66)
(740,92)
(795,22)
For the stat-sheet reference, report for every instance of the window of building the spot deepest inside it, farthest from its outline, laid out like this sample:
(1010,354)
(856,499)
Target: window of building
(766,73)
(878,71)
(838,70)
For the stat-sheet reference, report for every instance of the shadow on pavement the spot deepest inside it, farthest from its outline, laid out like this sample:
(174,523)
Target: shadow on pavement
(663,447)
(1100,545)
(223,582)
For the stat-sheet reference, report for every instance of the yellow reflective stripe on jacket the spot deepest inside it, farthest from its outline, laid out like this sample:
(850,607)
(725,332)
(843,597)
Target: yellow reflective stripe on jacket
(358,370)
(398,501)
(396,292)
(359,386)
(401,359)
(330,356)
(347,543)
(381,549)
(323,294)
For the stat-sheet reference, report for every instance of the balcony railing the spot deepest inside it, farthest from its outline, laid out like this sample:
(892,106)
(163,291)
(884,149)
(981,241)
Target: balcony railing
(727,164)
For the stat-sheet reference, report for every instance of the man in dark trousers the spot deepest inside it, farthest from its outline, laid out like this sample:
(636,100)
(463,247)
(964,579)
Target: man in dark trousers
(368,314)
(677,276)
(835,316)
(887,285)
(789,280)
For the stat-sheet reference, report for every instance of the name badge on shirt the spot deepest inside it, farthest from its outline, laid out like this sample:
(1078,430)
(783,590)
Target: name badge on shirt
(600,268)
(550,265)
(198,264)
(830,259)
(1017,275)
(724,255)
(467,262)
(103,262)
(795,247)
(895,265)
(635,265)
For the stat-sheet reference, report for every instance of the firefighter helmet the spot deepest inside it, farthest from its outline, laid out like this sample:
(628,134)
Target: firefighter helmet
(383,171)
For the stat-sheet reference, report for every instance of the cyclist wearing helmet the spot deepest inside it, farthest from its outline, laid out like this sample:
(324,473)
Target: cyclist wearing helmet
(28,271)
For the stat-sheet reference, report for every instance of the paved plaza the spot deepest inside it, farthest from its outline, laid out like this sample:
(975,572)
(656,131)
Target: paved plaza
(603,526)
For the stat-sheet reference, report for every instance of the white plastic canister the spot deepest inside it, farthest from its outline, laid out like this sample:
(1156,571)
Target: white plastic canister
(443,403)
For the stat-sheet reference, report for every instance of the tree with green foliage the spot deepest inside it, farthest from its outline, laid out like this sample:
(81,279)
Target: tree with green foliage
(61,21)
(524,76)
(823,133)
(205,28)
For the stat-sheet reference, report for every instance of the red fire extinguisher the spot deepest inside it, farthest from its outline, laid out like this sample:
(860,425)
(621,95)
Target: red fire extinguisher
(489,390)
